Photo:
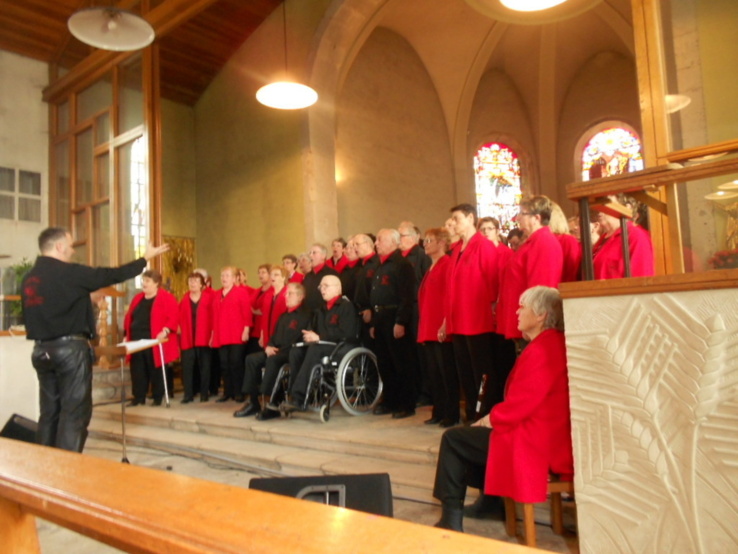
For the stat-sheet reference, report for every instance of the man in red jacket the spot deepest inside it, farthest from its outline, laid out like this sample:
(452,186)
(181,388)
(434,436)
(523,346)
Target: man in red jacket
(470,302)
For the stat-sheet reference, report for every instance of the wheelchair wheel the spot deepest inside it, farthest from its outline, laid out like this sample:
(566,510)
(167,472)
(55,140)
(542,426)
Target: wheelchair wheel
(322,388)
(358,383)
(325,413)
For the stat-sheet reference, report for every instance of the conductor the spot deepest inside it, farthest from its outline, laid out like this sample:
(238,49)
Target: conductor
(57,312)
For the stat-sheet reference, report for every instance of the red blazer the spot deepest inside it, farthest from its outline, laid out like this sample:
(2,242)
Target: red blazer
(276,306)
(204,327)
(296,277)
(163,314)
(571,249)
(538,261)
(433,290)
(608,259)
(260,300)
(472,288)
(231,314)
(531,428)
(339,265)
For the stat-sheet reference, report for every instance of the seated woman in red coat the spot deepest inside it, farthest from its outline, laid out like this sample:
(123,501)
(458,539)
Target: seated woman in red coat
(524,437)
(152,315)
(195,337)
(608,258)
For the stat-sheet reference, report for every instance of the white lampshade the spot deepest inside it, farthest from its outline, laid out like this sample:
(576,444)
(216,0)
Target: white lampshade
(530,5)
(676,102)
(111,29)
(286,95)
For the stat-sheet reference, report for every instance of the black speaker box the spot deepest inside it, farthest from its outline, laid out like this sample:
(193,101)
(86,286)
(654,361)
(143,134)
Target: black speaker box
(371,492)
(20,428)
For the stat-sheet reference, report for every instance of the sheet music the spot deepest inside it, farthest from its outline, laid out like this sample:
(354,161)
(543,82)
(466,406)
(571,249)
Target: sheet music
(132,346)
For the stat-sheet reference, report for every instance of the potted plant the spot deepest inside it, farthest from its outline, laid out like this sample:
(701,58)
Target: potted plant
(17,273)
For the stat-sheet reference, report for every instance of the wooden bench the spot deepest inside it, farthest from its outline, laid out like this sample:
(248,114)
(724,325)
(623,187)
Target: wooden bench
(555,488)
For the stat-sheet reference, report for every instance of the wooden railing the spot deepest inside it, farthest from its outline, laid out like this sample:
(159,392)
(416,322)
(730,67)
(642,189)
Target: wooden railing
(139,509)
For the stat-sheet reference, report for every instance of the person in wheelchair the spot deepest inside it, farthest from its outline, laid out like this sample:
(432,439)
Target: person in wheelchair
(288,330)
(335,321)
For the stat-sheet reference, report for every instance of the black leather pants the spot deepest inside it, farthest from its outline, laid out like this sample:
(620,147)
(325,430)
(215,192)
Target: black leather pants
(64,369)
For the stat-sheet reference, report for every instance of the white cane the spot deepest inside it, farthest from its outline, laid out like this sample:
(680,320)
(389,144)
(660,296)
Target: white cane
(164,373)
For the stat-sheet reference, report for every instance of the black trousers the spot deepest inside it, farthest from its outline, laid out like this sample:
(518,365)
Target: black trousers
(462,461)
(443,379)
(143,373)
(64,370)
(271,371)
(504,355)
(304,359)
(196,359)
(474,357)
(232,368)
(395,358)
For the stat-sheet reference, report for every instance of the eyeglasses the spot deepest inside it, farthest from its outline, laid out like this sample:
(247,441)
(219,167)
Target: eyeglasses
(428,240)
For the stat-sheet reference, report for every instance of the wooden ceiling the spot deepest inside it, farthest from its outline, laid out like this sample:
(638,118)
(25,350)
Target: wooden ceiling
(192,53)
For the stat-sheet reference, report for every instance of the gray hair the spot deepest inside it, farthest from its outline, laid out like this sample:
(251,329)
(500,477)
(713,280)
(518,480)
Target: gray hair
(322,248)
(545,300)
(394,235)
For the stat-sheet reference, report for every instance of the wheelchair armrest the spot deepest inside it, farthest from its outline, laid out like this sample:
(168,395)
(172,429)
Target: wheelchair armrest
(324,342)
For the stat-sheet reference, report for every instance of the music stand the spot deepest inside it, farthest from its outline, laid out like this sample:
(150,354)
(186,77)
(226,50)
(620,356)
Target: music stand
(122,350)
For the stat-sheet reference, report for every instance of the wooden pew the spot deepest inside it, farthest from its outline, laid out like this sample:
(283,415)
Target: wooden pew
(139,509)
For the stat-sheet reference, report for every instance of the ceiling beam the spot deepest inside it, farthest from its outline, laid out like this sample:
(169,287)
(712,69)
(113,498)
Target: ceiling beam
(164,18)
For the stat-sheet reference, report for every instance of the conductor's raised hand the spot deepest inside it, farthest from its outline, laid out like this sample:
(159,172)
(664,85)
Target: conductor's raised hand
(154,251)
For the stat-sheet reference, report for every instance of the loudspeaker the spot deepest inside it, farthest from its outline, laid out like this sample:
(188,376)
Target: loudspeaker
(20,428)
(371,492)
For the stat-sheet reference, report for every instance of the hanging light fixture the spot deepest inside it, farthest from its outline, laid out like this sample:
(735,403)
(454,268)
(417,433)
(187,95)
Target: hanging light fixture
(530,5)
(285,94)
(110,28)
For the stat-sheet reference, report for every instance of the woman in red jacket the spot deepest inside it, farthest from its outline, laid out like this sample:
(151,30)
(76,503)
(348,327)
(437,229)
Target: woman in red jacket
(196,334)
(276,305)
(231,323)
(524,437)
(152,315)
(608,258)
(439,355)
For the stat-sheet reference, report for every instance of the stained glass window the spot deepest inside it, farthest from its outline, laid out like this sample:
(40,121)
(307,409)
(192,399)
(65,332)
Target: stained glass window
(611,152)
(497,179)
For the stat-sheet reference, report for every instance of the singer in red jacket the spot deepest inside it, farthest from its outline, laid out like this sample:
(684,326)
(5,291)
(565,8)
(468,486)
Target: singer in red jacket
(196,335)
(152,315)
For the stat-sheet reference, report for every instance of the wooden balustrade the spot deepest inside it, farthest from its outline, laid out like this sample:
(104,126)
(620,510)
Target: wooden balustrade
(138,509)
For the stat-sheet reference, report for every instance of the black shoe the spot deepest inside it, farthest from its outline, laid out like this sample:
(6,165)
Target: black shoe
(381,409)
(294,406)
(433,421)
(451,518)
(446,423)
(204,397)
(267,414)
(402,414)
(486,507)
(239,398)
(423,401)
(157,402)
(223,399)
(135,402)
(186,400)
(246,411)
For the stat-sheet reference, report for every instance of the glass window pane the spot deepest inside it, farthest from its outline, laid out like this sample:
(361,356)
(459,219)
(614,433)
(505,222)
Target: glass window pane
(29,182)
(102,129)
(497,180)
(80,226)
(702,94)
(134,200)
(84,168)
(101,232)
(29,209)
(62,184)
(62,118)
(80,254)
(130,96)
(7,206)
(94,99)
(7,179)
(102,164)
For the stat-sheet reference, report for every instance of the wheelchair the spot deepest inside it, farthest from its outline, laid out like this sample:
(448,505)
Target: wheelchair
(349,375)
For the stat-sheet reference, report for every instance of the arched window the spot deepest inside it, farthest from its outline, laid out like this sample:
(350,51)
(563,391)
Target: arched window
(497,179)
(610,152)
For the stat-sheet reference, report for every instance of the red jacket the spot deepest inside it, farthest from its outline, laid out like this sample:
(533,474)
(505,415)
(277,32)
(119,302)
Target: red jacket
(531,433)
(473,282)
(296,277)
(231,314)
(433,290)
(276,306)
(340,265)
(571,249)
(608,260)
(538,261)
(260,300)
(204,327)
(163,314)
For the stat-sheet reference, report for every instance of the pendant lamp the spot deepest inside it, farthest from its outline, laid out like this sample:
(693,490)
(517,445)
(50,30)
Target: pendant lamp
(530,5)
(110,28)
(285,94)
